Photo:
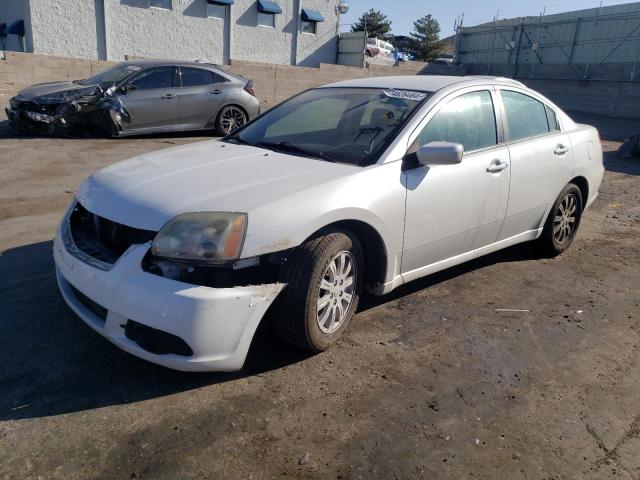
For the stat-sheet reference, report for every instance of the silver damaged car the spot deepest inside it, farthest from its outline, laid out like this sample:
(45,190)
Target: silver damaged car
(175,256)
(139,97)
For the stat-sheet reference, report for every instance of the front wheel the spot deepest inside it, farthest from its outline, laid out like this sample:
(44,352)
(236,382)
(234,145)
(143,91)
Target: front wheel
(563,221)
(324,281)
(229,119)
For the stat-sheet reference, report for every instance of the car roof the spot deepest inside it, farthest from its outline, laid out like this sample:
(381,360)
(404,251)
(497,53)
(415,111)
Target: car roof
(152,61)
(426,83)
(149,62)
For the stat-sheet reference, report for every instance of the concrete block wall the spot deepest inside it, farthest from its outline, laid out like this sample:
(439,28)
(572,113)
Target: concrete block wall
(609,98)
(273,83)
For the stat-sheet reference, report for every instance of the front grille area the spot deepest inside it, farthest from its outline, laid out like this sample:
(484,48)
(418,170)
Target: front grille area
(23,106)
(101,238)
(99,310)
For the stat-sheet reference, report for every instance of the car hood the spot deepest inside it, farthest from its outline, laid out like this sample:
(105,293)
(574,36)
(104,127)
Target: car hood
(149,190)
(41,89)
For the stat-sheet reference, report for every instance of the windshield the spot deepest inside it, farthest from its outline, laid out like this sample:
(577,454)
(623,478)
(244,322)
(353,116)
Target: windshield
(111,75)
(347,125)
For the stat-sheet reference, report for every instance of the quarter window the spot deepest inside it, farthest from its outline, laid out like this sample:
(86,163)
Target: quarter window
(469,120)
(526,116)
(164,4)
(554,126)
(267,19)
(161,77)
(193,77)
(216,10)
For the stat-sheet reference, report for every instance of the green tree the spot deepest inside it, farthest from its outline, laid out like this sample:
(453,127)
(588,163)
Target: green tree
(425,38)
(375,23)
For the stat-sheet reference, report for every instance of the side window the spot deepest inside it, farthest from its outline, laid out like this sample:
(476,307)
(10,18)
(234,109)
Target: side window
(160,77)
(469,120)
(194,77)
(526,116)
(321,114)
(266,19)
(552,119)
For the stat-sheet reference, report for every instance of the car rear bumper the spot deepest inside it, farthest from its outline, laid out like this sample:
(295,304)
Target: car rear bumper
(216,324)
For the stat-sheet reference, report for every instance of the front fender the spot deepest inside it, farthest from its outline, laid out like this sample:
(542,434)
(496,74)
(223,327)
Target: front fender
(374,196)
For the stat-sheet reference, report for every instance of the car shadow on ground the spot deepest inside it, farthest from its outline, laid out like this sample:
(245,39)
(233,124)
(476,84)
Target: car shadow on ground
(52,363)
(615,163)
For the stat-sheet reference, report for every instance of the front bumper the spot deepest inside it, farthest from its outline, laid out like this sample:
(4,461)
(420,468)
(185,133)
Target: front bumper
(217,324)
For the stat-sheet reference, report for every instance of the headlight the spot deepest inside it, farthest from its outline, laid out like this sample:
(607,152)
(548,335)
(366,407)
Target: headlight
(209,237)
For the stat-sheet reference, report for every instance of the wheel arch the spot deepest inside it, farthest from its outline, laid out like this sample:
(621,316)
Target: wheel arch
(373,246)
(583,184)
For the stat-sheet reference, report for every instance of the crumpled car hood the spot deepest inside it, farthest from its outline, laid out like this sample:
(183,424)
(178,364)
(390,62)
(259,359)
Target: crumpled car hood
(40,89)
(149,190)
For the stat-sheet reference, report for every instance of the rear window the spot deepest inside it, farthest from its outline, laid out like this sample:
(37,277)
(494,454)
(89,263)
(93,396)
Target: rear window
(193,77)
(526,116)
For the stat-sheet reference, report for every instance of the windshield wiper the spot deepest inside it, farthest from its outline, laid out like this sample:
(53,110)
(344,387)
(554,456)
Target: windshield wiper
(289,147)
(282,146)
(243,140)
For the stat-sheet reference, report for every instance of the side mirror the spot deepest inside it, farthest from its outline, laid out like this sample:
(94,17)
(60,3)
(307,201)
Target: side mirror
(440,153)
(127,88)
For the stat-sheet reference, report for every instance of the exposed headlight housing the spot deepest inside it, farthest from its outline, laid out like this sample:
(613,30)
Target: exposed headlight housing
(202,237)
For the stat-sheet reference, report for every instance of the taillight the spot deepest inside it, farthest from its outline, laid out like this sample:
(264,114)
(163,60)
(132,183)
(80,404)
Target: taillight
(249,88)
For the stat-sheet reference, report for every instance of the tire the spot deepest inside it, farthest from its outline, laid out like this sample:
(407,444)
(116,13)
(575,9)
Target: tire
(229,119)
(298,320)
(563,221)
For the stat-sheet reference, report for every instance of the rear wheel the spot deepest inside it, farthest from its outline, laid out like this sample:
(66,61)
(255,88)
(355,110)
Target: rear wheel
(229,119)
(324,282)
(563,221)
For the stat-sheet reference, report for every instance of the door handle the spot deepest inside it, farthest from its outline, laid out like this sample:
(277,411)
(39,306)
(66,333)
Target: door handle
(168,96)
(497,166)
(215,92)
(561,149)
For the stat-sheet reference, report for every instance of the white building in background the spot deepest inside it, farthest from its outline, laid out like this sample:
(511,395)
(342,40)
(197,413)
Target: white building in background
(290,32)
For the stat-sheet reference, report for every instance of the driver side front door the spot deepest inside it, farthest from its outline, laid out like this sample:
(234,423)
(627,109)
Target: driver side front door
(153,101)
(454,209)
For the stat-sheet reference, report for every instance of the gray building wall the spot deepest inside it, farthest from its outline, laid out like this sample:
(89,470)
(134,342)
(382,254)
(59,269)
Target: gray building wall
(113,29)
(63,25)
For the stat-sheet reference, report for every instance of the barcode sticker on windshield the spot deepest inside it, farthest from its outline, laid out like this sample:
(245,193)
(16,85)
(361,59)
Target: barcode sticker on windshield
(405,94)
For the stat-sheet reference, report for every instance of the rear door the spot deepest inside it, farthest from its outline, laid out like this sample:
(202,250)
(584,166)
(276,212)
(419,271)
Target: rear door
(152,100)
(200,96)
(541,160)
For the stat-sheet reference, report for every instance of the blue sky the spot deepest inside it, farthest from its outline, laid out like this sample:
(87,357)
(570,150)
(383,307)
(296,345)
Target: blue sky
(403,12)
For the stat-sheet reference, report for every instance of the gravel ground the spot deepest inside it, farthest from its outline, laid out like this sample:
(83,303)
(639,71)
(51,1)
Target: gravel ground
(431,381)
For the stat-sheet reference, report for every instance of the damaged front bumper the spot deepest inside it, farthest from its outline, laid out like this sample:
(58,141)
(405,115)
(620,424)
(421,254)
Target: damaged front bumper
(179,325)
(100,112)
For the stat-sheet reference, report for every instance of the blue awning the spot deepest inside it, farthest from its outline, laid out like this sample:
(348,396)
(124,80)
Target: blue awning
(221,2)
(16,28)
(311,15)
(268,7)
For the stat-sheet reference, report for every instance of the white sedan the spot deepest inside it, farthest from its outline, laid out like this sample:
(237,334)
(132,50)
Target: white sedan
(175,256)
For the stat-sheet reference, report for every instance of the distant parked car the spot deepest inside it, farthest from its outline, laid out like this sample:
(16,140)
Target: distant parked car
(443,60)
(379,48)
(146,96)
(176,255)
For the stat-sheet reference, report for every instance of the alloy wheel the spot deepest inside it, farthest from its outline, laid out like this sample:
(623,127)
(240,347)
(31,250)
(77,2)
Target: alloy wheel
(336,292)
(566,218)
(231,119)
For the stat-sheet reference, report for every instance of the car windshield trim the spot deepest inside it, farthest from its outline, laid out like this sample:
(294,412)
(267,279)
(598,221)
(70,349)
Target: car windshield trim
(106,75)
(368,156)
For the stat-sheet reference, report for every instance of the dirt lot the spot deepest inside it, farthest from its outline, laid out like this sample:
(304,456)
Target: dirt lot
(431,381)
